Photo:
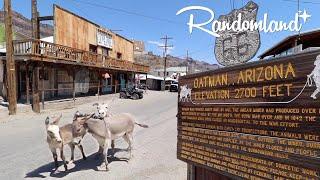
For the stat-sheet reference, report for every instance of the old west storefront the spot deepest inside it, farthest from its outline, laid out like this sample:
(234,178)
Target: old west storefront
(82,59)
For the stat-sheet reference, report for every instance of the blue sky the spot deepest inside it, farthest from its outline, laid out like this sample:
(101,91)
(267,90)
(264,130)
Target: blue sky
(150,30)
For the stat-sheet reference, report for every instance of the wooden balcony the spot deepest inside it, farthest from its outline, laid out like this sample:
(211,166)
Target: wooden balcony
(37,50)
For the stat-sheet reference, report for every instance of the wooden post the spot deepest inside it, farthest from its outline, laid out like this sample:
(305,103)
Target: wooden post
(74,86)
(190,172)
(11,69)
(42,91)
(115,82)
(35,89)
(34,20)
(99,81)
(27,84)
(35,71)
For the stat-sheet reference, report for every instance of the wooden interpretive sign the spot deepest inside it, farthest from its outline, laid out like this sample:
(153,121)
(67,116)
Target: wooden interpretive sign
(258,120)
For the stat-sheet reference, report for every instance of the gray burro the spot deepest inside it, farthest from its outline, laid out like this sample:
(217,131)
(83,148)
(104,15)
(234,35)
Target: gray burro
(107,129)
(58,137)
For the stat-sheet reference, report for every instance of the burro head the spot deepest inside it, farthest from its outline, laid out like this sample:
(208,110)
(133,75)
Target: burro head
(79,121)
(53,130)
(102,109)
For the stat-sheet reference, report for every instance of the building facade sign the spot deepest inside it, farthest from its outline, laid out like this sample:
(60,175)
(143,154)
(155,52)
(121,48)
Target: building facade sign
(258,120)
(104,39)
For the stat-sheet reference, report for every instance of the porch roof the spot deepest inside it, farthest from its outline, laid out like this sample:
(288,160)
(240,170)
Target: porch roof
(38,50)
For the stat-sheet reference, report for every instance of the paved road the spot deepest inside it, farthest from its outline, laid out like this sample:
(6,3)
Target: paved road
(24,152)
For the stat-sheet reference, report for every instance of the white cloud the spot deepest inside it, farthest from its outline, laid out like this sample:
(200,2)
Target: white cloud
(159,44)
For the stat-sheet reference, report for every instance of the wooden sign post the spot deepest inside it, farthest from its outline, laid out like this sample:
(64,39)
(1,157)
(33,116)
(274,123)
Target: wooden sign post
(10,63)
(258,120)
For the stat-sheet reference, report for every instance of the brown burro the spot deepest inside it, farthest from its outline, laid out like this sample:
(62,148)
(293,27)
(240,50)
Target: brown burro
(107,129)
(58,137)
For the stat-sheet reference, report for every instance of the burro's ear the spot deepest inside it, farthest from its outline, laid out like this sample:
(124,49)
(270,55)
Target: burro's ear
(56,121)
(47,121)
(88,116)
(95,104)
(77,114)
(110,101)
(113,99)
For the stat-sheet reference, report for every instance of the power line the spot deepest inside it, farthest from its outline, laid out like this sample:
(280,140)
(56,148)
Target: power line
(128,12)
(304,2)
(79,9)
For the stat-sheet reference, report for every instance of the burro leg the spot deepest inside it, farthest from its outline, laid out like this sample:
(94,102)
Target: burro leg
(63,159)
(105,154)
(112,147)
(128,138)
(55,157)
(313,95)
(82,152)
(72,152)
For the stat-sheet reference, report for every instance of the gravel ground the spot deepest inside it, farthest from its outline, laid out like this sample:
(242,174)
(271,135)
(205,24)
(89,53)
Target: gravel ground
(24,152)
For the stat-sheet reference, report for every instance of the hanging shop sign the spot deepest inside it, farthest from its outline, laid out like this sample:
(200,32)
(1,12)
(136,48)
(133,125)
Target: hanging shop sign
(104,39)
(106,75)
(258,120)
(238,33)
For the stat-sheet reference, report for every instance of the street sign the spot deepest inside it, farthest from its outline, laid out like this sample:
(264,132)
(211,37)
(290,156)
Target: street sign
(236,47)
(256,120)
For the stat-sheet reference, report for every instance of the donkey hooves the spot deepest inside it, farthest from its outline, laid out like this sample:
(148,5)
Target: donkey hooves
(65,167)
(103,168)
(70,162)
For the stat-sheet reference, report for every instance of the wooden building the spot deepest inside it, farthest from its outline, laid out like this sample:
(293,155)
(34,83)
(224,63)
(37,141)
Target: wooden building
(298,43)
(82,59)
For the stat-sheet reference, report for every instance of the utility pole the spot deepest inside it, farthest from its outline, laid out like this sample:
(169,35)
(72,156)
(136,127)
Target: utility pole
(35,70)
(10,63)
(187,65)
(165,49)
(34,20)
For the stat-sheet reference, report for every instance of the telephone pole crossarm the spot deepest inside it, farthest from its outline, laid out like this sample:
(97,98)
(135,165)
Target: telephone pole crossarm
(165,48)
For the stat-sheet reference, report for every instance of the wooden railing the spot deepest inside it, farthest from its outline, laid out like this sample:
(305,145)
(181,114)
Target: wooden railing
(38,48)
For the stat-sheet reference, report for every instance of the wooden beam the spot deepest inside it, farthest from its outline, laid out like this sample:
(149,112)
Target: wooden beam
(34,20)
(35,89)
(11,69)
(27,84)
(42,89)
(45,18)
(99,81)
(74,85)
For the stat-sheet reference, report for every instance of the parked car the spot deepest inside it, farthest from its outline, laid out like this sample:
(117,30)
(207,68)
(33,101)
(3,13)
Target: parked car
(131,92)
(173,87)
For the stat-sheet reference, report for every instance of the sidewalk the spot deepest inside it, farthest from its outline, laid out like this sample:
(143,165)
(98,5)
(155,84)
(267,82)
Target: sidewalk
(56,104)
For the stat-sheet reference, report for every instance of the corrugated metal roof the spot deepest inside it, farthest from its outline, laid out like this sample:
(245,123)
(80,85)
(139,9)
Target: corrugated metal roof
(173,69)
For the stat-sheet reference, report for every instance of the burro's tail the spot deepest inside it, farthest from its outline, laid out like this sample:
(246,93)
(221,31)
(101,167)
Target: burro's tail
(141,125)
(133,120)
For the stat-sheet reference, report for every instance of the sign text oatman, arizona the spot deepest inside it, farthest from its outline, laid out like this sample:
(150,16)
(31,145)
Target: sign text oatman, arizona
(237,34)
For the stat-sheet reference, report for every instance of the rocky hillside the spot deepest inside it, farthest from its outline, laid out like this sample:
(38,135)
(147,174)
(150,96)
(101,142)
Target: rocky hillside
(157,62)
(22,26)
